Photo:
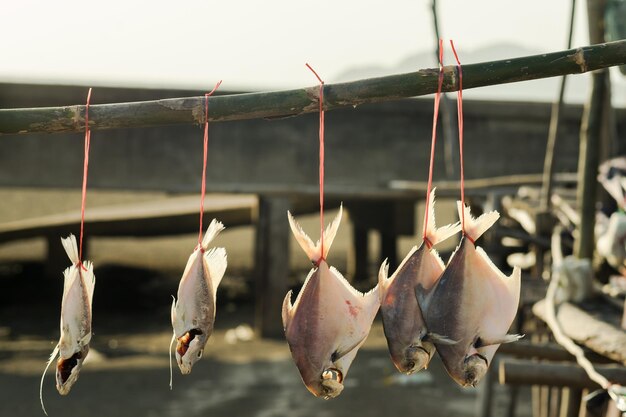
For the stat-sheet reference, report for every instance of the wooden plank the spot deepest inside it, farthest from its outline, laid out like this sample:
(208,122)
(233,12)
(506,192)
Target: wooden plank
(169,216)
(595,333)
(527,372)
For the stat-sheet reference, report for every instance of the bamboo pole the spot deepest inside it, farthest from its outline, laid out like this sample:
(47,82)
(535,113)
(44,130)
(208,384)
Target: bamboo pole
(299,101)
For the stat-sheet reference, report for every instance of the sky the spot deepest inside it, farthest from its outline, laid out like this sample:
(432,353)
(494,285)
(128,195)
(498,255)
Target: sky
(257,45)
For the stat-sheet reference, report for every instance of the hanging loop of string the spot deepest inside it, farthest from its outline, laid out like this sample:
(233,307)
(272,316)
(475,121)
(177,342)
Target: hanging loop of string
(84,189)
(459,104)
(204,157)
(432,144)
(321,161)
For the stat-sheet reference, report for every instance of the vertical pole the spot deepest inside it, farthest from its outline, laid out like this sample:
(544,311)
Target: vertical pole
(272,265)
(590,139)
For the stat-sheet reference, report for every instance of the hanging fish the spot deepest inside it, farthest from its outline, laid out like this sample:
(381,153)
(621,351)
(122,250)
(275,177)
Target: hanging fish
(73,346)
(193,314)
(410,345)
(329,320)
(473,303)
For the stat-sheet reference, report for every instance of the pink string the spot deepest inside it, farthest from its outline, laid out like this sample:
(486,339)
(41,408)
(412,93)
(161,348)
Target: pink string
(459,104)
(206,150)
(321,162)
(85,172)
(433,142)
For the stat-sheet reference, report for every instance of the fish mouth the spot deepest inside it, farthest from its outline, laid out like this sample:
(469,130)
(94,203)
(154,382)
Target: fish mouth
(185,340)
(68,370)
(331,383)
(475,367)
(415,359)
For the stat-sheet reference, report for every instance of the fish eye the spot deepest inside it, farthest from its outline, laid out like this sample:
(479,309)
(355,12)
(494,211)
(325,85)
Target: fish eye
(200,354)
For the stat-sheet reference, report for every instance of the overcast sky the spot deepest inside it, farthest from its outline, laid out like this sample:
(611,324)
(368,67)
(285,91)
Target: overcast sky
(255,45)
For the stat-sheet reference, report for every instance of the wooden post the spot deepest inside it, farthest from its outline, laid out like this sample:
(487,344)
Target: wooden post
(272,264)
(358,264)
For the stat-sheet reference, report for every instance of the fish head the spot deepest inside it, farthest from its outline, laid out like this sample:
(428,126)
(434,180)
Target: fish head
(326,385)
(413,358)
(189,349)
(68,370)
(474,368)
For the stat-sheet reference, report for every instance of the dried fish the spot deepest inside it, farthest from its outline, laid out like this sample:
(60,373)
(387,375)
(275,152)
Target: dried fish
(410,344)
(193,314)
(73,346)
(329,320)
(473,303)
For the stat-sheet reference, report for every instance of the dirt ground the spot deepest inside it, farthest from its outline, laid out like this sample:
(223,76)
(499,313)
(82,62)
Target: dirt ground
(127,371)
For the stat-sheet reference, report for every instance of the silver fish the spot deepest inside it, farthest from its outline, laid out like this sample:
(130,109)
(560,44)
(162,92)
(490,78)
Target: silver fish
(329,320)
(473,303)
(73,346)
(410,344)
(193,314)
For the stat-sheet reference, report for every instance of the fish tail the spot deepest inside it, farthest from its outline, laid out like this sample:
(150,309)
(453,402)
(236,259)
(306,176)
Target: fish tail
(433,234)
(475,227)
(331,231)
(314,250)
(71,248)
(213,230)
(54,354)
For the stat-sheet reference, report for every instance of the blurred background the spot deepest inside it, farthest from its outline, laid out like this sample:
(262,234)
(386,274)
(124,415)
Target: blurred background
(143,194)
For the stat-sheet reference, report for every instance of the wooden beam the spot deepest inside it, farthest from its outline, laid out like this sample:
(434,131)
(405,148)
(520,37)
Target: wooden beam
(190,110)
(596,334)
(527,372)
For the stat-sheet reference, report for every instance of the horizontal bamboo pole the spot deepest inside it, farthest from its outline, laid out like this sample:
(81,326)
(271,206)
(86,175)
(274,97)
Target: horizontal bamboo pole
(295,102)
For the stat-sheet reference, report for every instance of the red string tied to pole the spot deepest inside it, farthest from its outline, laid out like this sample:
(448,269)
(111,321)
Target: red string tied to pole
(204,158)
(432,144)
(321,161)
(84,188)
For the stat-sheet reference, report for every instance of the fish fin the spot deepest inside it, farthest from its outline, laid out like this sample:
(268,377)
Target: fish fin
(497,340)
(433,234)
(355,293)
(512,283)
(69,275)
(383,278)
(213,230)
(313,250)
(89,280)
(343,351)
(171,369)
(54,354)
(177,322)
(345,357)
(216,263)
(286,311)
(440,339)
(399,268)
(475,227)
(71,248)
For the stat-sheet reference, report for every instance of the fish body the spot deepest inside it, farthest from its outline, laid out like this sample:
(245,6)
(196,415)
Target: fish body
(329,320)
(76,313)
(473,304)
(410,345)
(193,312)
